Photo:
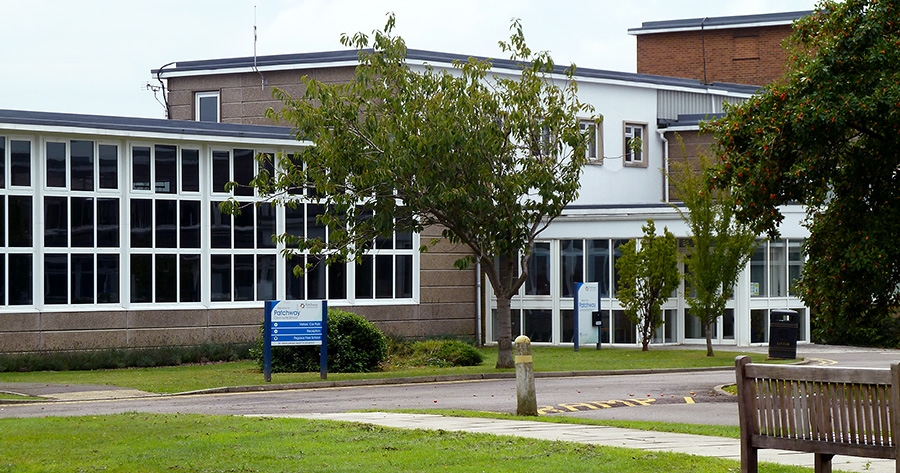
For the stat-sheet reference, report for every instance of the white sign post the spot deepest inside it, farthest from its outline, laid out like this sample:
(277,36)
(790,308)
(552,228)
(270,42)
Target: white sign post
(291,323)
(587,301)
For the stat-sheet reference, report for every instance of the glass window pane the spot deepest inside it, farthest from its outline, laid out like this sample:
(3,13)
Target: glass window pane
(365,272)
(244,234)
(56,221)
(141,278)
(758,286)
(219,227)
(141,223)
(208,106)
(56,165)
(243,171)
(109,166)
(166,169)
(2,233)
(243,278)
(314,229)
(2,175)
(265,225)
(166,223)
(107,279)
(572,258)
(220,277)
(21,287)
(190,278)
(220,171)
(82,171)
(20,163)
(20,218)
(190,170)
(337,281)
(294,219)
(294,286)
(166,278)
(404,276)
(404,241)
(624,328)
(315,279)
(617,253)
(140,168)
(384,276)
(693,328)
(265,277)
(778,268)
(107,223)
(190,224)
(2,279)
(539,325)
(728,324)
(598,264)
(795,264)
(82,222)
(56,278)
(538,282)
(759,325)
(82,279)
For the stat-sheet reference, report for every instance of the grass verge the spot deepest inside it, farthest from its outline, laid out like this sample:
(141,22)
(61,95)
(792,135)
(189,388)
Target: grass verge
(193,443)
(245,373)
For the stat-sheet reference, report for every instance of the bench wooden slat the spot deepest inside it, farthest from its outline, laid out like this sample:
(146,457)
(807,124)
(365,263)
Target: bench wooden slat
(883,411)
(791,407)
(818,446)
(820,374)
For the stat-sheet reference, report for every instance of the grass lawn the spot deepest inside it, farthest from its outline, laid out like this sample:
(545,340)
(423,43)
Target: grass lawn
(193,443)
(189,378)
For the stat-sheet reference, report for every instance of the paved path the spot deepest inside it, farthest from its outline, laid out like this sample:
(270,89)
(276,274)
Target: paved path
(599,435)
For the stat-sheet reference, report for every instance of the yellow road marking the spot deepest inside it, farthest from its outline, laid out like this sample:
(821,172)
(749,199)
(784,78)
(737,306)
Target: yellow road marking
(689,400)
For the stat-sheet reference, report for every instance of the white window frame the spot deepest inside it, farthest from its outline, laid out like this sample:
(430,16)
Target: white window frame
(584,125)
(629,156)
(201,95)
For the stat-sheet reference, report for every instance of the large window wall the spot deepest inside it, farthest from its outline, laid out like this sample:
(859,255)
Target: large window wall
(91,223)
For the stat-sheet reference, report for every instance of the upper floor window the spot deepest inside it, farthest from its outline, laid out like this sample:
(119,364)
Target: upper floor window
(635,145)
(594,149)
(206,106)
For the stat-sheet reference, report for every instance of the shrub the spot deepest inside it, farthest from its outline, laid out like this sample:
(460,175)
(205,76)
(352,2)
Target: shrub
(355,345)
(441,353)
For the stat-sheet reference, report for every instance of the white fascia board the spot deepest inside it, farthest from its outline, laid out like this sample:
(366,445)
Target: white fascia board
(715,27)
(240,70)
(71,130)
(679,128)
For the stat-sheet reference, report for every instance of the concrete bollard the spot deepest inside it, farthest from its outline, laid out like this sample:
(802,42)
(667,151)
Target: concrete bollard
(525,394)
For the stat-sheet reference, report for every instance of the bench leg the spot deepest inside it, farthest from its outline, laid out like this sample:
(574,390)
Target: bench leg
(749,461)
(823,462)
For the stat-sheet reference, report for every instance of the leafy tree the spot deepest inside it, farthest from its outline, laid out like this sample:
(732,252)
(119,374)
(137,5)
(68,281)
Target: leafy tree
(720,245)
(647,276)
(489,159)
(828,136)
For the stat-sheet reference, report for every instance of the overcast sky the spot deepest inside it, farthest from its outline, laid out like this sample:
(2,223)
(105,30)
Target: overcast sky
(94,57)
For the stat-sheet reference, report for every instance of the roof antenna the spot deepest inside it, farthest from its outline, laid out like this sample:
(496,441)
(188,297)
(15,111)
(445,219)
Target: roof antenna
(262,81)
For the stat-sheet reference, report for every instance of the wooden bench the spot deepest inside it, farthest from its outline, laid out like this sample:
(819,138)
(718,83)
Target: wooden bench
(823,410)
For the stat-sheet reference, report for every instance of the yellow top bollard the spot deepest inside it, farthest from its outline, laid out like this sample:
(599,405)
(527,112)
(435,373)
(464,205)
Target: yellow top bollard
(525,393)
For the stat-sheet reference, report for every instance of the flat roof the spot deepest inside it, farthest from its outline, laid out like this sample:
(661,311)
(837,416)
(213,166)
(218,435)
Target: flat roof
(350,57)
(720,22)
(144,125)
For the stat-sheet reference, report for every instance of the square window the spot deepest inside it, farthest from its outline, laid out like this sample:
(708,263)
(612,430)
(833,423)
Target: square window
(206,107)
(635,144)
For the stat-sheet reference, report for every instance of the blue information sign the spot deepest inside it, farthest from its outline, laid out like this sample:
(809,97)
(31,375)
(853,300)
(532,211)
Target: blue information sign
(290,323)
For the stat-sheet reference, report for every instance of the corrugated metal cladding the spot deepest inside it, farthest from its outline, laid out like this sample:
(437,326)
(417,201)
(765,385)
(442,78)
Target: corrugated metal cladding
(671,103)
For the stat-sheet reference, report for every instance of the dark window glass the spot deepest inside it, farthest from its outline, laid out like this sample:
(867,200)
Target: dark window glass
(190,278)
(190,170)
(337,281)
(20,217)
(384,276)
(220,164)
(384,243)
(219,227)
(109,167)
(56,165)
(140,168)
(166,169)
(243,228)
(56,278)
(82,279)
(538,282)
(20,287)
(82,171)
(598,264)
(141,278)
(265,277)
(20,163)
(141,223)
(83,222)
(166,223)
(2,175)
(315,230)
(3,278)
(243,277)
(293,220)
(220,277)
(107,223)
(209,108)
(404,241)
(243,171)
(315,279)
(107,279)
(265,225)
(2,233)
(617,253)
(56,221)
(364,275)
(572,256)
(404,276)
(294,285)
(166,278)
(190,224)
(268,164)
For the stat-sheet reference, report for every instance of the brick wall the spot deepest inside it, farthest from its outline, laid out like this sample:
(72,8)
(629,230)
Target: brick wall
(739,55)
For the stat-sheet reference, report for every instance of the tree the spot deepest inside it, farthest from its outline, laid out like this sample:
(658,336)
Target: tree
(647,276)
(828,136)
(489,159)
(720,245)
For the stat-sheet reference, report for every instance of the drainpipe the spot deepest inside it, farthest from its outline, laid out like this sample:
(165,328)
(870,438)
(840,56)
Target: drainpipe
(478,335)
(662,136)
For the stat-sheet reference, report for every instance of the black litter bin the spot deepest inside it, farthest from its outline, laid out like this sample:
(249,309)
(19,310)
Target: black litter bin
(783,331)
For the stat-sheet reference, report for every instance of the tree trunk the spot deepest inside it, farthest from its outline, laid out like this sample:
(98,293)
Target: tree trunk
(504,333)
(646,332)
(709,350)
